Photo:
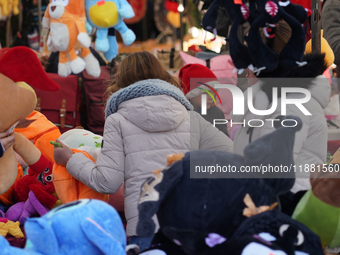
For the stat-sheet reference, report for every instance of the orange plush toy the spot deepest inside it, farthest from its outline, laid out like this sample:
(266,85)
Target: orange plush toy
(67,23)
(17,66)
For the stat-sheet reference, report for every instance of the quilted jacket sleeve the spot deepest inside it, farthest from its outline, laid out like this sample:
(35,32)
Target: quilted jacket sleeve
(107,174)
(331,24)
(211,138)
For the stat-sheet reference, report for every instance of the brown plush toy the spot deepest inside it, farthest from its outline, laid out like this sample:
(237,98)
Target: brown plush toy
(18,66)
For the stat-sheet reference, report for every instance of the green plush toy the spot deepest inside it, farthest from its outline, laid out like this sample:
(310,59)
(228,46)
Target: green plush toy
(319,208)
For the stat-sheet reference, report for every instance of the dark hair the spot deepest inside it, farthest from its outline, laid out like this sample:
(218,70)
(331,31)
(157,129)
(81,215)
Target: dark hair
(136,67)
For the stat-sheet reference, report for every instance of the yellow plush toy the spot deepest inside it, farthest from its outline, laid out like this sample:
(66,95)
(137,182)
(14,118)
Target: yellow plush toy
(12,228)
(18,100)
(8,7)
(67,23)
(325,48)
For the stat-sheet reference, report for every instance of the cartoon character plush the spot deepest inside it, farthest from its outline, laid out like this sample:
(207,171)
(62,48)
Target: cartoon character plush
(39,178)
(270,232)
(107,16)
(80,227)
(16,65)
(67,187)
(185,196)
(67,23)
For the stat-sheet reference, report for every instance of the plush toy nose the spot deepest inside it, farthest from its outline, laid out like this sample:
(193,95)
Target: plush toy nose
(53,8)
(99,3)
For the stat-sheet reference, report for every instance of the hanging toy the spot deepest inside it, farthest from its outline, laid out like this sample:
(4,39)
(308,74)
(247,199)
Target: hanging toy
(106,15)
(66,21)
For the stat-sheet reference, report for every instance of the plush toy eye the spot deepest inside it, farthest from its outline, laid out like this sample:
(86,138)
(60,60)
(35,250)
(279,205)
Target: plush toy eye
(48,178)
(47,170)
(300,236)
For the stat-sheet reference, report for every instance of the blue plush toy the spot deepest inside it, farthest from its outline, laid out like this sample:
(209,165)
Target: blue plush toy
(80,227)
(107,16)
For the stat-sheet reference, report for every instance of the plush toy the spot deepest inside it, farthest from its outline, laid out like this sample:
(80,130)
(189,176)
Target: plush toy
(270,12)
(189,199)
(270,232)
(67,23)
(80,227)
(325,48)
(9,7)
(10,227)
(39,178)
(23,210)
(18,64)
(106,14)
(173,15)
(40,131)
(67,187)
(139,8)
(319,208)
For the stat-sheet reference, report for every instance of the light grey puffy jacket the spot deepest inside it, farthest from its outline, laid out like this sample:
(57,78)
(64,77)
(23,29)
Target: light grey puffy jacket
(137,139)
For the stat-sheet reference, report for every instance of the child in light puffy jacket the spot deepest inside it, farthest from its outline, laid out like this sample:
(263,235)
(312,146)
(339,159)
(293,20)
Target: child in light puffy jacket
(147,118)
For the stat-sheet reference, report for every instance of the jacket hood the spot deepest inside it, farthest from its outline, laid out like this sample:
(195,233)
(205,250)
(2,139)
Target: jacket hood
(152,105)
(159,113)
(143,88)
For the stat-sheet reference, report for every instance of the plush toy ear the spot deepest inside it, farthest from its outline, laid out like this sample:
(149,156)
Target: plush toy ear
(103,240)
(238,51)
(292,54)
(41,234)
(265,151)
(296,10)
(210,17)
(21,64)
(153,192)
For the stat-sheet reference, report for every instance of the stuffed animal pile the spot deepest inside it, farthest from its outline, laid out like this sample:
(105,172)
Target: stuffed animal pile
(263,14)
(200,214)
(70,22)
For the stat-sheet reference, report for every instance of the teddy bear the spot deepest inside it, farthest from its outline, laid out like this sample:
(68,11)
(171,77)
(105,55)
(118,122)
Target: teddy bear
(19,67)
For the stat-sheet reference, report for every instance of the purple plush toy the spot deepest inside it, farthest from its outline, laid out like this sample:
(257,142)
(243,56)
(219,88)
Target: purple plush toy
(23,210)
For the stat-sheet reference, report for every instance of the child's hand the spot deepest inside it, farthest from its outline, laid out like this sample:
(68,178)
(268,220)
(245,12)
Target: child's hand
(63,154)
(7,141)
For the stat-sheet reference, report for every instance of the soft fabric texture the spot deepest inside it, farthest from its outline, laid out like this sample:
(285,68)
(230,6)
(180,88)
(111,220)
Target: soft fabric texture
(311,141)
(37,128)
(150,87)
(109,15)
(222,66)
(80,227)
(11,111)
(70,189)
(325,49)
(271,223)
(192,71)
(67,24)
(330,25)
(138,137)
(319,208)
(190,201)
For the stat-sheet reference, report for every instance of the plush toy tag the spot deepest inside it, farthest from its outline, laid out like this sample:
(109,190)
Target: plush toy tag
(153,252)
(11,129)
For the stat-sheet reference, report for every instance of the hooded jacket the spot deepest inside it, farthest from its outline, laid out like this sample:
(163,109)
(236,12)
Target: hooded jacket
(140,131)
(310,146)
